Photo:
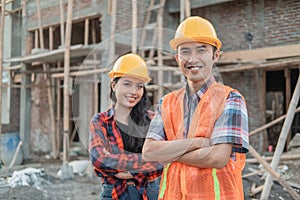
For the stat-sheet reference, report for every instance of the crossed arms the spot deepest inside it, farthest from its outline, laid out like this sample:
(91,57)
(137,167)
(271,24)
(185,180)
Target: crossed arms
(193,151)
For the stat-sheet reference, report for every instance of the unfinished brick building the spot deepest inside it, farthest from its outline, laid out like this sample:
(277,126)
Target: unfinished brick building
(260,58)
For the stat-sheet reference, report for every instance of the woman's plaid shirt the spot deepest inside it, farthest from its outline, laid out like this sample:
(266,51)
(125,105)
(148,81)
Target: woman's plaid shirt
(109,157)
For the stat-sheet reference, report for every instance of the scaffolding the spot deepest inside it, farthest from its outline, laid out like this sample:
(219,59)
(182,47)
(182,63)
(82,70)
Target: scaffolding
(156,59)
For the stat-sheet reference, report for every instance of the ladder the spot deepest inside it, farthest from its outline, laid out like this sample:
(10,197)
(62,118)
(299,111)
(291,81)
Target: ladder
(153,25)
(151,40)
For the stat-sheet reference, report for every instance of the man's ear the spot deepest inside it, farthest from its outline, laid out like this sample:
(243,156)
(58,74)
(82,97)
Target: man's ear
(176,57)
(217,55)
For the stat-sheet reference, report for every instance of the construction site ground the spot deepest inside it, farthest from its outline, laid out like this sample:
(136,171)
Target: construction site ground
(87,186)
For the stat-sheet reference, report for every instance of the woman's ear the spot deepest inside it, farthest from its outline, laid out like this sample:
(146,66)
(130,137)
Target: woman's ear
(113,85)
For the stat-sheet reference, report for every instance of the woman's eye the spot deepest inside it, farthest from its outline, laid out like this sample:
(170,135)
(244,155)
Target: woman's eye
(140,86)
(126,84)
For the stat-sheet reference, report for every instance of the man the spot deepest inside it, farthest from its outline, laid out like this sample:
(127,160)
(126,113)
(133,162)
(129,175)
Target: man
(201,130)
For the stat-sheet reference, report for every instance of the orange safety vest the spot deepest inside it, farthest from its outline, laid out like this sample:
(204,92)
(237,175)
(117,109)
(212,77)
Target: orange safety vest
(180,181)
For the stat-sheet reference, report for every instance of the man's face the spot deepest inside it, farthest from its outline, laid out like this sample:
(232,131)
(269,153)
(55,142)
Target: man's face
(196,60)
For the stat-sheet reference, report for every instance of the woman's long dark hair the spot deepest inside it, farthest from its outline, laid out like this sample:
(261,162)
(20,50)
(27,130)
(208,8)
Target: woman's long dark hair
(139,120)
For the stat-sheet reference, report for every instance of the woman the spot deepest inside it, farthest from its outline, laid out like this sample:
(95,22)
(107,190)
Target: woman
(117,135)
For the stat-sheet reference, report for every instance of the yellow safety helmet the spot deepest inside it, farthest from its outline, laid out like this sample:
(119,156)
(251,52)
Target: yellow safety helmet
(195,29)
(130,65)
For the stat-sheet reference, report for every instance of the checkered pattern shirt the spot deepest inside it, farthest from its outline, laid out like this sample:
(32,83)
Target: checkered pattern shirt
(231,126)
(109,158)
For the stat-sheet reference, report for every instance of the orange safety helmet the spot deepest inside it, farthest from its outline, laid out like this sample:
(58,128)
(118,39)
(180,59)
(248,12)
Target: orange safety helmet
(130,65)
(195,29)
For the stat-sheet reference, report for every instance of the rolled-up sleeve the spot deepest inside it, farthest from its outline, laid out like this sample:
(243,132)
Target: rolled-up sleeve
(156,129)
(232,125)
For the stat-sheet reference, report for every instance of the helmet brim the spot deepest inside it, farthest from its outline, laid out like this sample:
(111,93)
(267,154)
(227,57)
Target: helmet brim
(207,40)
(145,79)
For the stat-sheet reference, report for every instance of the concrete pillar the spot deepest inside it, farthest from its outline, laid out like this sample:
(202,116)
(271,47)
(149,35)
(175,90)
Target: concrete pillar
(25,112)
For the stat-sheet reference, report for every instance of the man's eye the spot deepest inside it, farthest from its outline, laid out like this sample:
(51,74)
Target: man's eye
(201,51)
(185,52)
(126,84)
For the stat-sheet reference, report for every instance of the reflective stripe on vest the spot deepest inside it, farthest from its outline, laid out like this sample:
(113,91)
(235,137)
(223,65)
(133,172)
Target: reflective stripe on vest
(164,182)
(216,184)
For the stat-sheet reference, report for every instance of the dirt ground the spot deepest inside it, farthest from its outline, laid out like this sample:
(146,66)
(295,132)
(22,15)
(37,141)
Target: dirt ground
(87,186)
(53,187)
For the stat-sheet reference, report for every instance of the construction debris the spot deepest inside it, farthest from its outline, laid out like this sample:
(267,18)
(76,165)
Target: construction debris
(295,142)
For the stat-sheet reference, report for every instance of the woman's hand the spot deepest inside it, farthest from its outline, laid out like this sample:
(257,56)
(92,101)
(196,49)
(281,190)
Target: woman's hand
(124,175)
(120,175)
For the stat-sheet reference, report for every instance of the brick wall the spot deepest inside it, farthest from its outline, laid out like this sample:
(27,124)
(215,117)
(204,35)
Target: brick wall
(270,22)
(245,84)
(124,14)
(14,124)
(51,12)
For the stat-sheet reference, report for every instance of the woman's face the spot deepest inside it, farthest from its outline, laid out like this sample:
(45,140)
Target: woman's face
(128,91)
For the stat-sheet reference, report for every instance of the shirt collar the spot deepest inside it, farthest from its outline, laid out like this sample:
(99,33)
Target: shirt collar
(203,89)
(110,113)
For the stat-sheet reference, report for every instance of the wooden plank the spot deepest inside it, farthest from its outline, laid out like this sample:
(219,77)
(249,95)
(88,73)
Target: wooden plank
(134,26)
(54,55)
(269,158)
(112,30)
(2,21)
(253,173)
(6,2)
(274,174)
(62,22)
(275,121)
(80,73)
(262,53)
(266,65)
(187,8)
(94,36)
(86,31)
(282,139)
(41,34)
(58,113)
(66,125)
(160,73)
(10,68)
(36,39)
(51,38)
(11,12)
(287,75)
(182,15)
